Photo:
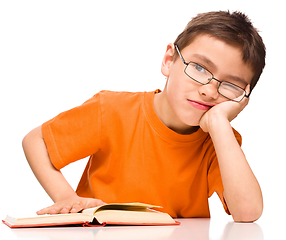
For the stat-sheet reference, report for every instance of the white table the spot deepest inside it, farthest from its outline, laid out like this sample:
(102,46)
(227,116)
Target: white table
(191,229)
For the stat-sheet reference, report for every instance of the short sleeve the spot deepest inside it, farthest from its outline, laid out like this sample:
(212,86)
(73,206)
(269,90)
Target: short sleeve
(74,134)
(214,176)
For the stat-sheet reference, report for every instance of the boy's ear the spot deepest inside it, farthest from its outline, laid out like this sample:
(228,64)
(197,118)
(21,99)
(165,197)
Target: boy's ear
(167,60)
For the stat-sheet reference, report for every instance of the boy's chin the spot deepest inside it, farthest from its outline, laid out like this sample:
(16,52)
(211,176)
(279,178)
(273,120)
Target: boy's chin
(191,127)
(191,122)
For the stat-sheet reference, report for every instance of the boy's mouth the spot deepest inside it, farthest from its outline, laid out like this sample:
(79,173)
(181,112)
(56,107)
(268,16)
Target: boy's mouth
(201,105)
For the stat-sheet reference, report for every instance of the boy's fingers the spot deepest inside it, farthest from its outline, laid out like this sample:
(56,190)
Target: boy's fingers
(66,209)
(71,207)
(76,208)
(88,203)
(54,209)
(59,209)
(44,211)
(41,212)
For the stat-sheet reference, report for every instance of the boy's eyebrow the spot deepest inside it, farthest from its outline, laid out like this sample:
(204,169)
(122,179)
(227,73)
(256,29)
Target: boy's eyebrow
(211,64)
(237,79)
(206,60)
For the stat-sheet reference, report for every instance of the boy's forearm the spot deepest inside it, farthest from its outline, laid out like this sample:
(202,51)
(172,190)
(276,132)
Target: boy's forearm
(241,189)
(49,177)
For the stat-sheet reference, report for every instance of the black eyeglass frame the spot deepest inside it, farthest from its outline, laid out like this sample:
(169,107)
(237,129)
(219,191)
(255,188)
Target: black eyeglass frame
(213,78)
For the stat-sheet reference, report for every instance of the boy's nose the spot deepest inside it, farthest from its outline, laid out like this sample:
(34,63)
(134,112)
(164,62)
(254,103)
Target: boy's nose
(210,90)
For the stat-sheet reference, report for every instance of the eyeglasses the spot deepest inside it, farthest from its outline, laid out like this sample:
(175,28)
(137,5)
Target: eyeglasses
(203,76)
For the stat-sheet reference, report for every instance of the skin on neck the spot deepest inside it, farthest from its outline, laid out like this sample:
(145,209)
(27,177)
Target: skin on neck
(165,113)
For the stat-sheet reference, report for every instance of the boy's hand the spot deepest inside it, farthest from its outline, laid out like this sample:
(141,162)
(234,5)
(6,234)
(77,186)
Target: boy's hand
(227,110)
(71,205)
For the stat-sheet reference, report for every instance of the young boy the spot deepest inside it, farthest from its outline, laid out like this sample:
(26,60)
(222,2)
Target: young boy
(173,148)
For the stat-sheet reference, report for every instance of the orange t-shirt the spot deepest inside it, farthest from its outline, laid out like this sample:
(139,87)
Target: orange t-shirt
(134,157)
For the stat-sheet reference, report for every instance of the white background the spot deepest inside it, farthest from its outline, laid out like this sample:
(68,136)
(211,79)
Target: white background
(54,55)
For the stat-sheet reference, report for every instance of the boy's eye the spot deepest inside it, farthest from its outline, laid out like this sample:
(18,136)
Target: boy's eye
(229,86)
(199,68)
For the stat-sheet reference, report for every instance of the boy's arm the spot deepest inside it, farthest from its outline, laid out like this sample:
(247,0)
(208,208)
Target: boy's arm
(52,180)
(242,192)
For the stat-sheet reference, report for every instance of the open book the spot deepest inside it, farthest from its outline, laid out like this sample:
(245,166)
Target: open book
(111,214)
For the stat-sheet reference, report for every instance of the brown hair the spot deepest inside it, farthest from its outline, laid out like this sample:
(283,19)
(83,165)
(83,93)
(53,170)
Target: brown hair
(233,28)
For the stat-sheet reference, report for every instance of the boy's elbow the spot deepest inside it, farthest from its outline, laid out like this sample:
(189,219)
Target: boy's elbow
(248,215)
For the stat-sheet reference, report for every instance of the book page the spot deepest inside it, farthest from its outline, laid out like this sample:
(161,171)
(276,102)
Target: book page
(119,206)
(146,216)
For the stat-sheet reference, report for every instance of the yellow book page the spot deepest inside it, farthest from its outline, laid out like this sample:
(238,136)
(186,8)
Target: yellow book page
(119,206)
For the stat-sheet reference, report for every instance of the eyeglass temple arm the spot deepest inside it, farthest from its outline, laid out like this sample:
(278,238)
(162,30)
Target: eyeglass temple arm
(180,55)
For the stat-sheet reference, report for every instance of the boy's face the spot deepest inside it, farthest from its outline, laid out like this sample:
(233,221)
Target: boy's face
(188,100)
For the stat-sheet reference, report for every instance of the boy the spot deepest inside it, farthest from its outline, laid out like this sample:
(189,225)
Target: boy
(173,148)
